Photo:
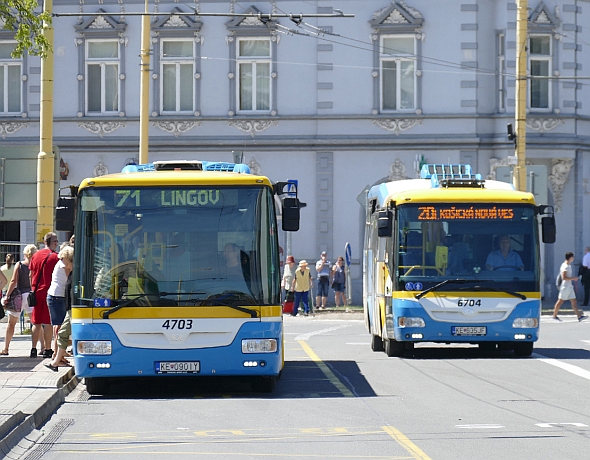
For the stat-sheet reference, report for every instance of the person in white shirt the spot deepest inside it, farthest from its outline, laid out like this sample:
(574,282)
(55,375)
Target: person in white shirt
(566,290)
(56,294)
(586,275)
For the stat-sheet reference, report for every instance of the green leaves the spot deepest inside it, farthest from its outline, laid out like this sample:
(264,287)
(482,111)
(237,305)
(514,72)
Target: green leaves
(20,16)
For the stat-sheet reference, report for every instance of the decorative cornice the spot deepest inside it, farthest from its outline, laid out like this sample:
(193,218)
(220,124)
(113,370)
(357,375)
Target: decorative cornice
(543,124)
(176,127)
(396,125)
(253,126)
(101,127)
(397,170)
(11,127)
(559,176)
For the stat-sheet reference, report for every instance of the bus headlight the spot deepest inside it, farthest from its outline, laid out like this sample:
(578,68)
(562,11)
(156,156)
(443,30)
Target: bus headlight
(94,347)
(259,345)
(406,321)
(525,322)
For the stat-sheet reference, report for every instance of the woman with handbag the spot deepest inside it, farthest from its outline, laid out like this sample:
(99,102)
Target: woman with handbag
(19,286)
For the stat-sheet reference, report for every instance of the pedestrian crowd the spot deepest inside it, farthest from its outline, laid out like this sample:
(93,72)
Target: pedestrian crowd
(297,283)
(39,286)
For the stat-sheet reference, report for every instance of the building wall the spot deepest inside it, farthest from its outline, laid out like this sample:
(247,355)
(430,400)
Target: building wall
(326,133)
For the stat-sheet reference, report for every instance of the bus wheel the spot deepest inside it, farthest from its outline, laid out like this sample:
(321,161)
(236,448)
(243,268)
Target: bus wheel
(97,386)
(264,384)
(376,343)
(523,348)
(394,348)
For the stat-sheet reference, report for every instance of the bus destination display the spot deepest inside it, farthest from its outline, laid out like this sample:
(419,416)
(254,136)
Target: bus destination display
(465,213)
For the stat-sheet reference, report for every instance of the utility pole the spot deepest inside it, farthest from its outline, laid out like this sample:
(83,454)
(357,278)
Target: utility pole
(521,94)
(46,158)
(144,109)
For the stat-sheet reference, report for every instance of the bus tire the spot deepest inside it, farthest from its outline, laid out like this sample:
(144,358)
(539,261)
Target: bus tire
(393,348)
(97,386)
(523,348)
(264,384)
(376,343)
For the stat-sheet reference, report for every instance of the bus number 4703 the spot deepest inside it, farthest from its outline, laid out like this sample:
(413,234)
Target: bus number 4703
(178,324)
(468,303)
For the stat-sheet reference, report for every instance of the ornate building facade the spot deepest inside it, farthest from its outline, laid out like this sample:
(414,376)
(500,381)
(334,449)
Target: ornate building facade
(337,103)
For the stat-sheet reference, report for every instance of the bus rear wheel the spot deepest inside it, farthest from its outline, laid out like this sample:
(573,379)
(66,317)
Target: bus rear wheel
(523,348)
(97,386)
(393,348)
(376,343)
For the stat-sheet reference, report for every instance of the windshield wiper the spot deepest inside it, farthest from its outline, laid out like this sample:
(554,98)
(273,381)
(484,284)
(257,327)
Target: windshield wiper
(230,298)
(439,285)
(491,289)
(127,302)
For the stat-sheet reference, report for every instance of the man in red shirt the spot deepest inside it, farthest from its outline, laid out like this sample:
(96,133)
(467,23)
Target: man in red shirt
(41,269)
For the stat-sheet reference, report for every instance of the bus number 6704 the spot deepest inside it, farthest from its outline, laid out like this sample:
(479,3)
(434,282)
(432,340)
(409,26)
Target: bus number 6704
(468,303)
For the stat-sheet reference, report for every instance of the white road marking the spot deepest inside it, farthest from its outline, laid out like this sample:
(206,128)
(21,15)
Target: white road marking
(565,366)
(587,341)
(551,425)
(359,343)
(481,426)
(320,332)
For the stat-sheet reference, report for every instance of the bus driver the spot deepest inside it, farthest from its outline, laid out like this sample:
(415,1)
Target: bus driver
(504,258)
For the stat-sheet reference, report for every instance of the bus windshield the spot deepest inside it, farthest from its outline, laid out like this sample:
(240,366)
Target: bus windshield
(181,245)
(486,243)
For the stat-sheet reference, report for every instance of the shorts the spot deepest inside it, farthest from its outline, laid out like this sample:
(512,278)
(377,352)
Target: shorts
(338,287)
(63,335)
(566,292)
(57,309)
(323,286)
(16,314)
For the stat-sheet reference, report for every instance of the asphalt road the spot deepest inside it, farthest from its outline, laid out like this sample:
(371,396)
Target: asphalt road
(337,399)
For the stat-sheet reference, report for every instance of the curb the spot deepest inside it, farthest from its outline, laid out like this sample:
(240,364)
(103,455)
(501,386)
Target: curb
(18,429)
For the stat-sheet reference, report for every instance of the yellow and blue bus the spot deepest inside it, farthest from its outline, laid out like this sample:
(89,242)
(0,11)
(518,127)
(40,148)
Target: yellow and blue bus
(176,273)
(452,258)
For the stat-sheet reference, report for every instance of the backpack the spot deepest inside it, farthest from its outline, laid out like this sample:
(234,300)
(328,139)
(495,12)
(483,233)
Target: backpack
(558,280)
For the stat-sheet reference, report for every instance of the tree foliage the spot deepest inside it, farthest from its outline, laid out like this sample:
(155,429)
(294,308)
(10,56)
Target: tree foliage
(20,16)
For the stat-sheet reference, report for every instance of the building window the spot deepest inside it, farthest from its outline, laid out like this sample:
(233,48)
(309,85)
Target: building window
(398,73)
(102,76)
(540,57)
(10,80)
(177,68)
(397,48)
(254,82)
(501,46)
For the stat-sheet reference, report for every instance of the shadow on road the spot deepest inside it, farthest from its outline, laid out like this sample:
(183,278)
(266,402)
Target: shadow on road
(299,379)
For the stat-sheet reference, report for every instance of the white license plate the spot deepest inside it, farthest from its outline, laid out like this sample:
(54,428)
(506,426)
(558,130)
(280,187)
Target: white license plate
(177,367)
(469,330)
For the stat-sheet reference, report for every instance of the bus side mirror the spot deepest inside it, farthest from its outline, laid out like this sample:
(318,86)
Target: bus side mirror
(290,212)
(548,229)
(384,223)
(64,214)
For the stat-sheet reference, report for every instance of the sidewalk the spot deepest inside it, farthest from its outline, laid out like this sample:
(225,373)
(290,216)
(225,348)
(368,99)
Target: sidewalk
(29,392)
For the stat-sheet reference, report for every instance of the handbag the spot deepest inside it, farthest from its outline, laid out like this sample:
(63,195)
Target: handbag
(290,297)
(15,301)
(32,298)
